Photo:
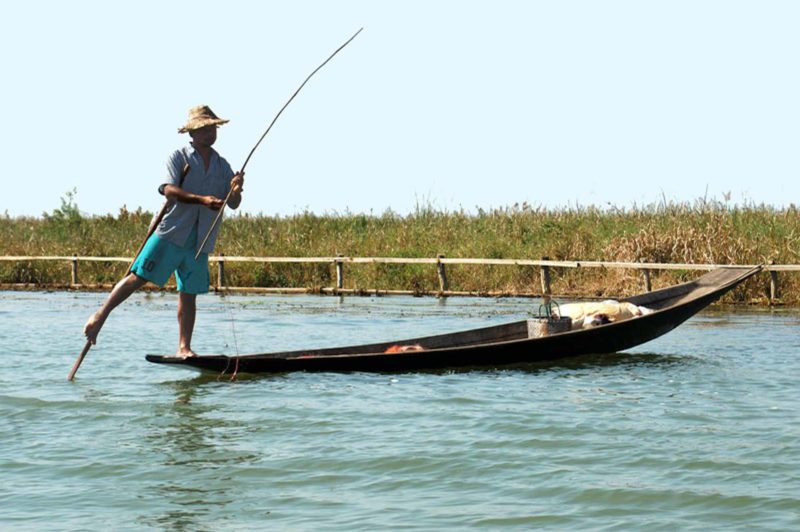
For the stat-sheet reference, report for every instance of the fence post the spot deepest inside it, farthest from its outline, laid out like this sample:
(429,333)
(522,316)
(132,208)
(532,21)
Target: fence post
(221,271)
(443,287)
(74,276)
(773,283)
(339,272)
(544,273)
(648,287)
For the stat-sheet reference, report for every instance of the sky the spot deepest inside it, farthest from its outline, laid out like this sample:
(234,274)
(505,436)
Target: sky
(444,104)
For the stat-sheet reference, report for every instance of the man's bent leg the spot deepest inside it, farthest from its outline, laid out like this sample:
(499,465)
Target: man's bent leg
(122,290)
(187,310)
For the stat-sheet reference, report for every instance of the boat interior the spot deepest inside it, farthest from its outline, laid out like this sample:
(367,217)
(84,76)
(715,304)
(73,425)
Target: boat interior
(658,300)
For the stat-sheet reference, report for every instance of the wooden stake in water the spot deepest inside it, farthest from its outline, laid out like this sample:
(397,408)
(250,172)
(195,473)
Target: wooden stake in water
(219,213)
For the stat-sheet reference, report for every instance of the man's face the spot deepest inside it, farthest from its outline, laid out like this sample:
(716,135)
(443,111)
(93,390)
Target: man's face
(205,136)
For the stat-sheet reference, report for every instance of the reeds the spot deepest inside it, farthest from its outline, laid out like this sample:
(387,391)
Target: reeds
(699,232)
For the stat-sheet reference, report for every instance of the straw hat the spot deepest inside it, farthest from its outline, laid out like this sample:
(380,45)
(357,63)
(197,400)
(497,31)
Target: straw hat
(201,116)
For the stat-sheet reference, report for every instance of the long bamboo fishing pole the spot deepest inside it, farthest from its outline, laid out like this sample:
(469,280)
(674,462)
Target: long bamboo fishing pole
(219,213)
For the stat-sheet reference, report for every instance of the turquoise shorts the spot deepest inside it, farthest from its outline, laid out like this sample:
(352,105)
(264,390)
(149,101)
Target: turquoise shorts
(159,258)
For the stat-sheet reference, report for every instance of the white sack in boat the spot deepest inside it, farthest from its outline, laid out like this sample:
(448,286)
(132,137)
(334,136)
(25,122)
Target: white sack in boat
(591,314)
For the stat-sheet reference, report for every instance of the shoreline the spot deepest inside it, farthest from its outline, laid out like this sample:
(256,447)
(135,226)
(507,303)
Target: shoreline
(362,292)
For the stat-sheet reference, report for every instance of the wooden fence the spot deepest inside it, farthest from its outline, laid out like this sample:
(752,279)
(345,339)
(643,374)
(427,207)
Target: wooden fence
(440,262)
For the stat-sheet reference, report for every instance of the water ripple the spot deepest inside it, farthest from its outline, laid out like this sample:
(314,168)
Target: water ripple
(697,430)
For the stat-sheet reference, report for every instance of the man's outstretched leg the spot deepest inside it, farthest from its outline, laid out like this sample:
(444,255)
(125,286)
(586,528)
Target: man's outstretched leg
(187,310)
(122,290)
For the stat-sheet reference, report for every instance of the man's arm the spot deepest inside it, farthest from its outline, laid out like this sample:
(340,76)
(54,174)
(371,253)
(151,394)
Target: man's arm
(175,193)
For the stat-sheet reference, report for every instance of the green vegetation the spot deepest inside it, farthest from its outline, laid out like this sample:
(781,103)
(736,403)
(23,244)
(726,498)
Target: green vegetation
(701,232)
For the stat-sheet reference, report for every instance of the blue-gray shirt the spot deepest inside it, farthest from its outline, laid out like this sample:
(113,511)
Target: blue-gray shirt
(177,224)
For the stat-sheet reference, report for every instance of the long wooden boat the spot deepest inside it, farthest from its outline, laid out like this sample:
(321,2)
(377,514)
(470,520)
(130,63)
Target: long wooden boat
(494,346)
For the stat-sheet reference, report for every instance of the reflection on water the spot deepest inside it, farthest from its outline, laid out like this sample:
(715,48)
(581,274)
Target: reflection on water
(195,449)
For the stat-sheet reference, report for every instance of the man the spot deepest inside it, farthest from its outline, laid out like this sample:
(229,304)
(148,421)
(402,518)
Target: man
(197,180)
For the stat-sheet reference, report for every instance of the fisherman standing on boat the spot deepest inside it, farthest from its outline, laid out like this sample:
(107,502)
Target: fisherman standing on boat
(197,177)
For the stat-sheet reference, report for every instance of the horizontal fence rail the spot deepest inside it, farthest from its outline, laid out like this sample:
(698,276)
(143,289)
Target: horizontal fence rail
(439,262)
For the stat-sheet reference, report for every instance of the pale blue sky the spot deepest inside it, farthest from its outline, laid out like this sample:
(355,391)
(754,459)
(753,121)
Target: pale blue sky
(456,104)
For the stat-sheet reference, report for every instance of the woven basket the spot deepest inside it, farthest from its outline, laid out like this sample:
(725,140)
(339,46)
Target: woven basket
(549,321)
(538,327)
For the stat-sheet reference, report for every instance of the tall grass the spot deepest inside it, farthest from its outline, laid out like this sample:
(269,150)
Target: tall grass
(699,232)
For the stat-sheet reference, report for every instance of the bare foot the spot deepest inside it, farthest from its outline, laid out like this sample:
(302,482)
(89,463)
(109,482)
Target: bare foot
(93,326)
(185,353)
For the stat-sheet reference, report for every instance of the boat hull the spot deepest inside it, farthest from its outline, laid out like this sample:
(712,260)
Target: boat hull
(495,346)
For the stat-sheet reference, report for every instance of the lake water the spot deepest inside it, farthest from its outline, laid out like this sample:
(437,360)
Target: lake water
(699,429)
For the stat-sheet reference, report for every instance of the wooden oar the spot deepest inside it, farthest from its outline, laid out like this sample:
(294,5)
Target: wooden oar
(77,363)
(153,225)
(219,213)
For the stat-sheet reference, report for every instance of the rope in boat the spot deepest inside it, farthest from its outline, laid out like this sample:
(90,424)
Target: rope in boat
(235,343)
(229,306)
(227,366)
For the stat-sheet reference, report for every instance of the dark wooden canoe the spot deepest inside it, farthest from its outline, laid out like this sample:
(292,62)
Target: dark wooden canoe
(494,346)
